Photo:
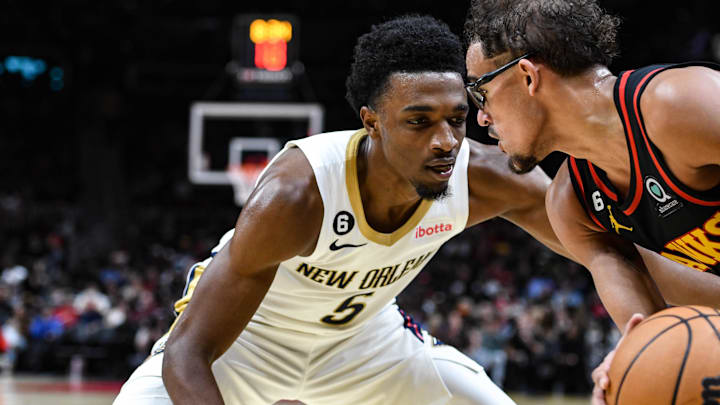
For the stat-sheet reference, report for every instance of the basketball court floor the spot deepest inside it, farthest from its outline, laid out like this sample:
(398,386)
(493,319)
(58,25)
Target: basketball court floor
(25,390)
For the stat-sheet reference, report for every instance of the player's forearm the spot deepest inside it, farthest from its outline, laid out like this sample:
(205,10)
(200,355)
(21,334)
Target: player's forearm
(625,290)
(549,239)
(535,222)
(188,378)
(692,288)
(681,285)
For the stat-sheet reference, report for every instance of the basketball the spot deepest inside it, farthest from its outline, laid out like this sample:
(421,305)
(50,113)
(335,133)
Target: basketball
(671,358)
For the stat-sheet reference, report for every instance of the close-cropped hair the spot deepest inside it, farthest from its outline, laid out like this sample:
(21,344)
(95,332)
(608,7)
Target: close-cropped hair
(407,44)
(569,36)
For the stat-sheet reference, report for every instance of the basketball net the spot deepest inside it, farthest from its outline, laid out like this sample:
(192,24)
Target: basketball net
(243,178)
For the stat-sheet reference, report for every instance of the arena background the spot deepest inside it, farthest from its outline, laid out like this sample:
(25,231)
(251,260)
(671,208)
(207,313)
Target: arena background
(99,221)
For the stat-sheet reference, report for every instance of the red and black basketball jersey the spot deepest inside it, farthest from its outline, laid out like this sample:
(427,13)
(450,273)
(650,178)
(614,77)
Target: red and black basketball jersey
(660,213)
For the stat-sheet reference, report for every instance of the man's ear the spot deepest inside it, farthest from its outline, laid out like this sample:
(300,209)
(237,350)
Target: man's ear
(531,75)
(370,121)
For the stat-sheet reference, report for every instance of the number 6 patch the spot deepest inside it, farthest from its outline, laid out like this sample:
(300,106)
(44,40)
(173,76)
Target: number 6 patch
(343,222)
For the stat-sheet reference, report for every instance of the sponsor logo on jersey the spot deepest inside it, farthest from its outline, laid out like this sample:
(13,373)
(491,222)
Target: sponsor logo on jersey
(334,246)
(666,203)
(615,224)
(699,248)
(422,232)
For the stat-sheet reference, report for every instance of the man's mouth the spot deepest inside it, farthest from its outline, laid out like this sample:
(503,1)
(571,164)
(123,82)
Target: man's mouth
(492,133)
(442,168)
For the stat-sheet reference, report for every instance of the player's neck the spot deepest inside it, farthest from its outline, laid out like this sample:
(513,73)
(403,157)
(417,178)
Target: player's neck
(388,199)
(593,130)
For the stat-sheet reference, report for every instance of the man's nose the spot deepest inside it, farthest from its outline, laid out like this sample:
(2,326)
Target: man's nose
(444,139)
(483,118)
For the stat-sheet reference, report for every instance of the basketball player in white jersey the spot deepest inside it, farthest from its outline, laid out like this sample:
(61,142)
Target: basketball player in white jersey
(298,302)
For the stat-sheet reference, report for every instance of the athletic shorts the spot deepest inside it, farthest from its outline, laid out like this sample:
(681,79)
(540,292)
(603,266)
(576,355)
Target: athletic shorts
(390,360)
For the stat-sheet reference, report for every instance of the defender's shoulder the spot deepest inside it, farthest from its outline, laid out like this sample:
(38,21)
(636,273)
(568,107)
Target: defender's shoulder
(683,101)
(287,204)
(289,181)
(679,88)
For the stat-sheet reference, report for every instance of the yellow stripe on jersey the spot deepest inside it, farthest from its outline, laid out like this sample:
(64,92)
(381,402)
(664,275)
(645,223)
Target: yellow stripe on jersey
(180,305)
(192,283)
(193,277)
(353,189)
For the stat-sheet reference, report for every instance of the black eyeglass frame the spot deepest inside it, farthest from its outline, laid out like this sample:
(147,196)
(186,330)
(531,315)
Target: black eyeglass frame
(473,89)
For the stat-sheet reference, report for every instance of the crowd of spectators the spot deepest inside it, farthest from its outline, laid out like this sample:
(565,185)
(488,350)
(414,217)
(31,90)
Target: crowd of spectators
(530,317)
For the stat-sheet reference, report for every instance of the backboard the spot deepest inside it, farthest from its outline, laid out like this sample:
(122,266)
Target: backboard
(230,142)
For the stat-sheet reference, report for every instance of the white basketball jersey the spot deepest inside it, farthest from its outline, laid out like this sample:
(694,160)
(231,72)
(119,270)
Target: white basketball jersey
(355,271)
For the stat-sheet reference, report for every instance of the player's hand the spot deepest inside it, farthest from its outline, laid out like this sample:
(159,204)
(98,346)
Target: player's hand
(600,374)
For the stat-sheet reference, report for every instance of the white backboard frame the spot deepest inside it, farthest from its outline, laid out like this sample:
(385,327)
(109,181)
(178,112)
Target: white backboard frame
(200,111)
(240,144)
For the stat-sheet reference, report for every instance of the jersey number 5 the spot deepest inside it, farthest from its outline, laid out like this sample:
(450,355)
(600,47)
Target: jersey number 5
(346,305)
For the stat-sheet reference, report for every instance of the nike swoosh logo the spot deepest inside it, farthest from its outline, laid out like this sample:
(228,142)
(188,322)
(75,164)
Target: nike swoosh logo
(334,246)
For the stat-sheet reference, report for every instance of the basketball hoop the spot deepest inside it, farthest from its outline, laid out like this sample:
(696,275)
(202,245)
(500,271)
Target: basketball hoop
(243,177)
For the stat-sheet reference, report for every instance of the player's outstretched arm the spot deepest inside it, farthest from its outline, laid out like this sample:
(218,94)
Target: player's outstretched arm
(619,274)
(520,198)
(281,219)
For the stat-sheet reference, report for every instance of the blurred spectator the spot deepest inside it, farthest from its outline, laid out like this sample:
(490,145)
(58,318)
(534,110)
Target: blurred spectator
(487,347)
(3,343)
(15,342)
(90,300)
(6,310)
(46,326)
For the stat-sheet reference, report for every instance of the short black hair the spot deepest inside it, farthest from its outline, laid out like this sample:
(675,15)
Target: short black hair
(570,36)
(406,44)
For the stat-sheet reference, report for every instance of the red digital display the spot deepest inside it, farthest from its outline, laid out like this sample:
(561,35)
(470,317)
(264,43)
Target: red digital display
(270,38)
(271,55)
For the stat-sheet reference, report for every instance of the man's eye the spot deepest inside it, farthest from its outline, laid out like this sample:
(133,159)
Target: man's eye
(417,121)
(457,121)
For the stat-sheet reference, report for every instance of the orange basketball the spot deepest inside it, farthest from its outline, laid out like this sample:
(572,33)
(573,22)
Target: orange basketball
(671,358)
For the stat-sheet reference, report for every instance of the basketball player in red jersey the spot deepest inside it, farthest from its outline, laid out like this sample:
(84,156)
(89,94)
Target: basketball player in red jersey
(638,203)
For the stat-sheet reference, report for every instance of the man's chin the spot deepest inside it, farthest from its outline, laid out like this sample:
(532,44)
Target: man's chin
(522,164)
(433,192)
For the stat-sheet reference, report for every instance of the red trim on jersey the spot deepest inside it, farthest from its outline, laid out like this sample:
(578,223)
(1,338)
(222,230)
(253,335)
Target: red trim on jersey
(576,173)
(654,159)
(411,325)
(600,184)
(635,162)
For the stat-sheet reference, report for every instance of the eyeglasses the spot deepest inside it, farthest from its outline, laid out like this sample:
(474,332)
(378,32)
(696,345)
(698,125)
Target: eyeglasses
(477,95)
